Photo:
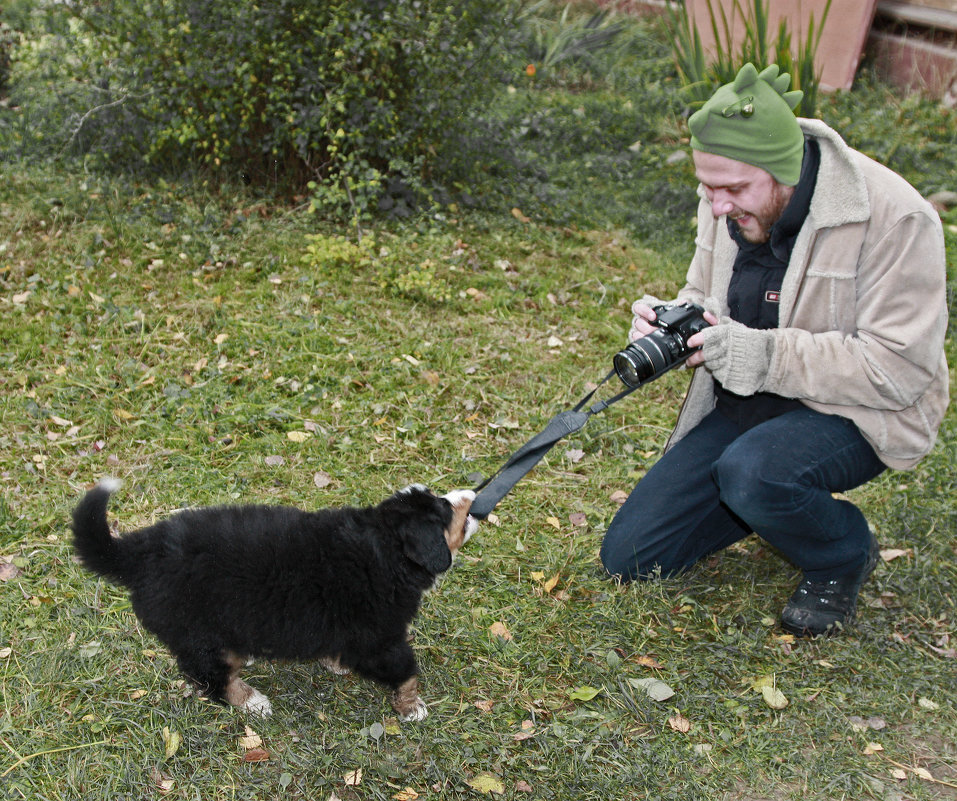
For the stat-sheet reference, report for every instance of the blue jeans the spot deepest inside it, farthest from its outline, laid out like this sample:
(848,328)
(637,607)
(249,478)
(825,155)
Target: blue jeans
(719,483)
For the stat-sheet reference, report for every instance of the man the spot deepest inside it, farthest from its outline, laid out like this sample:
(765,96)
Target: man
(822,275)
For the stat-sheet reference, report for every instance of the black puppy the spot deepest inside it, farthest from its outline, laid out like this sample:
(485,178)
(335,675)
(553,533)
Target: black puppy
(221,585)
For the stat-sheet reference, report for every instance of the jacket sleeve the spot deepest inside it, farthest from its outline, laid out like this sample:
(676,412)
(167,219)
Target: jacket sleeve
(890,352)
(698,280)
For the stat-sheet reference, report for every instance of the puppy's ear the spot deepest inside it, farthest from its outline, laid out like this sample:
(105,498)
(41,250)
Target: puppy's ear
(423,541)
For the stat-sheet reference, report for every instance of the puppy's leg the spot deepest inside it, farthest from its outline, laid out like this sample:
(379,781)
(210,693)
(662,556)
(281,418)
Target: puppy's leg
(216,674)
(241,695)
(394,665)
(407,701)
(333,665)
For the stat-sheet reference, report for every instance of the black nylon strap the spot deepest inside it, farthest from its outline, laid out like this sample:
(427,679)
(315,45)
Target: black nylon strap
(496,487)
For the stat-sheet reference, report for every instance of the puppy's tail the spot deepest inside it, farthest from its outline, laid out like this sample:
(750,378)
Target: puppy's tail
(97,548)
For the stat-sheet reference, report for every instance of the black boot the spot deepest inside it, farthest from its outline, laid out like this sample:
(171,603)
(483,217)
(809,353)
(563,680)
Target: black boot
(826,607)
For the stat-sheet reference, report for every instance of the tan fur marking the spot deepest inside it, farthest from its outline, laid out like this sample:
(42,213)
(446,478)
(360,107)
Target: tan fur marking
(406,699)
(237,692)
(455,536)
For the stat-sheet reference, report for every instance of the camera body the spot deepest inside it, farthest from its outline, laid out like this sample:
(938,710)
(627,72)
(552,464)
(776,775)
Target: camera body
(663,349)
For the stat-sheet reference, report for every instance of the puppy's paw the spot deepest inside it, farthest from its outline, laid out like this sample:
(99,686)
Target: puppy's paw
(257,704)
(333,666)
(417,711)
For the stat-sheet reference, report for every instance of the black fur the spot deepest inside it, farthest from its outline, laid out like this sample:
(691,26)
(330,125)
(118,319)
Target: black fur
(277,582)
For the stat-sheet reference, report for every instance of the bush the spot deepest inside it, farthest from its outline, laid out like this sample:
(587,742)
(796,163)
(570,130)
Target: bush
(357,99)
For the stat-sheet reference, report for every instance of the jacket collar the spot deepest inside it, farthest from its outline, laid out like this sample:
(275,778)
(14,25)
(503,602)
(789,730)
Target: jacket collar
(841,195)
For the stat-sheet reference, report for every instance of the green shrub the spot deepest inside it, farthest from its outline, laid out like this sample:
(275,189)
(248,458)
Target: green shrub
(356,99)
(701,77)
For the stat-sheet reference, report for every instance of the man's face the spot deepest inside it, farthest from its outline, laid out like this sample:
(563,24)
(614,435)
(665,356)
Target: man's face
(747,194)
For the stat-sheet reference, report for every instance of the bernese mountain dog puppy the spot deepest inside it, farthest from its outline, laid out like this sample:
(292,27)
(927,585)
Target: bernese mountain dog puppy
(219,586)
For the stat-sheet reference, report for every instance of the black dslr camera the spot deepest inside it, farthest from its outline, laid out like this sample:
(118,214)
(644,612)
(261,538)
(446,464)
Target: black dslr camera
(656,353)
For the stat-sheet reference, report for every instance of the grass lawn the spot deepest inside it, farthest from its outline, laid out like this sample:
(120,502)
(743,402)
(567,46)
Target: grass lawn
(214,347)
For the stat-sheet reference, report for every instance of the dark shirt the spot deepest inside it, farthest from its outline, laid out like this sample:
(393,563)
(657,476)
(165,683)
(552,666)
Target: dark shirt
(754,293)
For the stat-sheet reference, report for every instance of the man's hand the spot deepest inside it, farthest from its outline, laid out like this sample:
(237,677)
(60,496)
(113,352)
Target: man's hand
(641,323)
(697,340)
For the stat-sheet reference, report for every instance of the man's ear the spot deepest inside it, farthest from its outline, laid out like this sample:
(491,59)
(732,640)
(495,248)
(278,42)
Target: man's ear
(424,543)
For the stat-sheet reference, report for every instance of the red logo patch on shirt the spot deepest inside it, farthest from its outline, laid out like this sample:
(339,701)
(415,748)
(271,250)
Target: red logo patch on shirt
(772,297)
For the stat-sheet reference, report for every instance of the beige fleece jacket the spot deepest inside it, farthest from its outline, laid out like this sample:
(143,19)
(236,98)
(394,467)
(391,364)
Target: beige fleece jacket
(863,306)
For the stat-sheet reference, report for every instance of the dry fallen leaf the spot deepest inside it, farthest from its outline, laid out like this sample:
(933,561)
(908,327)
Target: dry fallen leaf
(889,554)
(408,794)
(485,706)
(578,519)
(256,755)
(680,723)
(575,455)
(773,697)
(619,496)
(523,787)
(171,742)
(353,779)
(517,214)
(649,662)
(499,629)
(873,748)
(298,436)
(487,783)
(250,740)
(322,480)
(550,585)
(554,522)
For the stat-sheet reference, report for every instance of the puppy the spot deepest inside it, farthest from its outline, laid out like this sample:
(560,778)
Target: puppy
(222,585)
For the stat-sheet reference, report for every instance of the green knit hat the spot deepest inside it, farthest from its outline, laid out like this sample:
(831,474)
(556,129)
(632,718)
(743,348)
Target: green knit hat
(752,120)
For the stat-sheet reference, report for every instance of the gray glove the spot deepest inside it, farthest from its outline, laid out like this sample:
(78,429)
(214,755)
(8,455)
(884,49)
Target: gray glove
(737,356)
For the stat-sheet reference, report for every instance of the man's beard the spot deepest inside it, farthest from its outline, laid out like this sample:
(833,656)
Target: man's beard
(757,228)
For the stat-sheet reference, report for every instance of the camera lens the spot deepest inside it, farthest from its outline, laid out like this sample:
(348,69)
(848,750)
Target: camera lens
(641,360)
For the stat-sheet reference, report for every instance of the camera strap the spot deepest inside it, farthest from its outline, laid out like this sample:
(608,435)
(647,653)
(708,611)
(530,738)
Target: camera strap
(497,486)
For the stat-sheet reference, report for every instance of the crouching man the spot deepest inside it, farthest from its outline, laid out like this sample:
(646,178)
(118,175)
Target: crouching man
(823,276)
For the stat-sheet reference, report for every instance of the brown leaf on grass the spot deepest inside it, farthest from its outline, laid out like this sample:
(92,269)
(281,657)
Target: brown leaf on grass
(321,480)
(163,782)
(648,662)
(256,755)
(578,519)
(890,554)
(499,629)
(517,214)
(619,496)
(522,786)
(550,585)
(575,455)
(526,733)
(250,740)
(485,706)
(679,723)
(8,571)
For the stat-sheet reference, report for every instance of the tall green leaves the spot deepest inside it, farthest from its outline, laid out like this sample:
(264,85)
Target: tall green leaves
(701,75)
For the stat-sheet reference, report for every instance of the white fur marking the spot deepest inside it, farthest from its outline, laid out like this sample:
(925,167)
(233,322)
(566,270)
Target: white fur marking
(109,484)
(455,497)
(258,704)
(471,526)
(413,488)
(419,711)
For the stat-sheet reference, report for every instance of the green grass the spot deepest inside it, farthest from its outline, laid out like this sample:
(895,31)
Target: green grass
(174,336)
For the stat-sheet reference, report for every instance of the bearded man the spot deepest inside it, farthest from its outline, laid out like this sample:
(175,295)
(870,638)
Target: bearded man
(823,277)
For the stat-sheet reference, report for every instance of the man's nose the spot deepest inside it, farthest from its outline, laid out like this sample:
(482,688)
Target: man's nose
(721,203)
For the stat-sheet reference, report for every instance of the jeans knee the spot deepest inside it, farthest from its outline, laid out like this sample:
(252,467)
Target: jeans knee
(742,485)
